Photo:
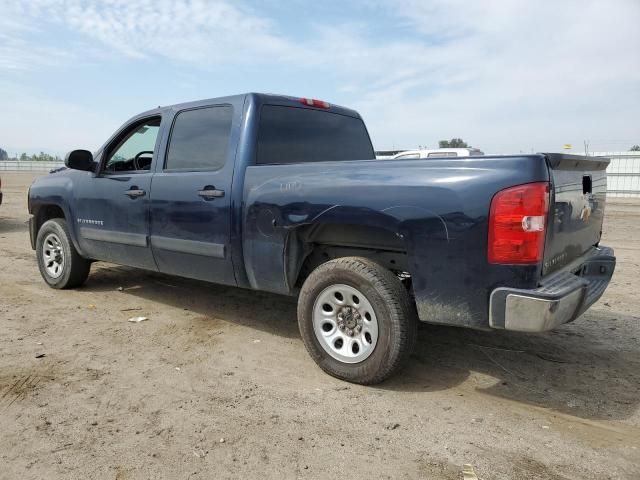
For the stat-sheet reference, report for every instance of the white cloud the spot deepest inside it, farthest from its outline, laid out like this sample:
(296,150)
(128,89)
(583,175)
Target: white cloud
(193,31)
(505,75)
(517,74)
(17,54)
(33,122)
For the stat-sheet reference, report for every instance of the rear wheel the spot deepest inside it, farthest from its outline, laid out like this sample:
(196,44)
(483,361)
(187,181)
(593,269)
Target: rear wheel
(356,320)
(60,264)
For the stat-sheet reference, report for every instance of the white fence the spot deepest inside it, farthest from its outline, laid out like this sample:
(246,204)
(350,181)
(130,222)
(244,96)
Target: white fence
(623,173)
(29,166)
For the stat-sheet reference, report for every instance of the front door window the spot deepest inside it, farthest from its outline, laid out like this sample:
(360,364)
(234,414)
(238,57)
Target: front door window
(134,152)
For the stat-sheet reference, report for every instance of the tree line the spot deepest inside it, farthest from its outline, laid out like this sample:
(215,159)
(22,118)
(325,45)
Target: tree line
(45,157)
(453,143)
(36,157)
(459,143)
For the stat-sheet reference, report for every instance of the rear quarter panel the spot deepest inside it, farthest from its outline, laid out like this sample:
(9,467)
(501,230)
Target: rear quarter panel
(438,208)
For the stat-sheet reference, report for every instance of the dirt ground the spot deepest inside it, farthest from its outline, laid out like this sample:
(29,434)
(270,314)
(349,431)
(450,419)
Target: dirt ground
(217,383)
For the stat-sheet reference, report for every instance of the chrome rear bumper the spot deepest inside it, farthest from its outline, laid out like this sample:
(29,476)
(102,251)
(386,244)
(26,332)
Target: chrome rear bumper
(561,297)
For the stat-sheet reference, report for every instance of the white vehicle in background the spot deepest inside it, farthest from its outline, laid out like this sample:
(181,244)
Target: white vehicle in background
(438,152)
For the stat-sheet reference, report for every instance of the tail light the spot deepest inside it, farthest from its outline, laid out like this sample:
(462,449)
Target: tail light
(312,102)
(517,222)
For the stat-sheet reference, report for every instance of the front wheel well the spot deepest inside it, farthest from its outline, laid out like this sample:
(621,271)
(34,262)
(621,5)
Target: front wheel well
(47,212)
(41,215)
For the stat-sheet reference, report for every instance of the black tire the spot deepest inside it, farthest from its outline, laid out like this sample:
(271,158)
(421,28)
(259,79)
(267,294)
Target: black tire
(396,318)
(75,270)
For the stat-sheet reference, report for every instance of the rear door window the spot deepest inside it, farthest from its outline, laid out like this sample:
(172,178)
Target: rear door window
(200,139)
(297,135)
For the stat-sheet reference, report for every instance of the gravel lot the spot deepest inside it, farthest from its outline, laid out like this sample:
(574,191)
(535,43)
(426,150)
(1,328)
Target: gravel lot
(217,384)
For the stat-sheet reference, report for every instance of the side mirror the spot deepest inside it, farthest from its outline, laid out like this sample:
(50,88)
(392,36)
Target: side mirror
(80,160)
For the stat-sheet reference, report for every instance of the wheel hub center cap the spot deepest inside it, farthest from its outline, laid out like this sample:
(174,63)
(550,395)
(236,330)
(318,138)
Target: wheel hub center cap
(349,320)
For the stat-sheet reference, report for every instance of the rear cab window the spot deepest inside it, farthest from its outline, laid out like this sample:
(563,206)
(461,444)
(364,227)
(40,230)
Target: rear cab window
(304,135)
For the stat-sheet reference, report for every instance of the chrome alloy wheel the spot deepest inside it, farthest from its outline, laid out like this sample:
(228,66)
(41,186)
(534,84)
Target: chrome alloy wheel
(345,324)
(53,255)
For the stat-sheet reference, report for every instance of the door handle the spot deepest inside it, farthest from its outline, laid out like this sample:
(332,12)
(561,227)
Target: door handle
(210,193)
(135,193)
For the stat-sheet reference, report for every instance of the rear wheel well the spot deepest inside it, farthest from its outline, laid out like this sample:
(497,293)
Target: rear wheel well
(317,244)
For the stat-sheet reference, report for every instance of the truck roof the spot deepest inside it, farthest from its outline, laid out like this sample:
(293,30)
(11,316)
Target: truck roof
(259,99)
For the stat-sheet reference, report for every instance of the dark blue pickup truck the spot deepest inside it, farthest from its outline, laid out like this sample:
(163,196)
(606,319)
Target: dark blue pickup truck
(284,194)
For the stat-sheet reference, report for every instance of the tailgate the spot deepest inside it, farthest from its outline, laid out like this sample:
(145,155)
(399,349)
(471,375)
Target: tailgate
(579,186)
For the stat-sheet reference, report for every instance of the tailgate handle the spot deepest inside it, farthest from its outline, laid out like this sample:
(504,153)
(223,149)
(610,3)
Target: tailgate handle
(586,184)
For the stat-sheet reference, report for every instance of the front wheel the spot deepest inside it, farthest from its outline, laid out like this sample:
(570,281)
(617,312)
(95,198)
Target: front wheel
(356,320)
(60,264)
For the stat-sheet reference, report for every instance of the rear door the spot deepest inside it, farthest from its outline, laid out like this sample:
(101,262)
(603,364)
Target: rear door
(577,209)
(112,207)
(191,196)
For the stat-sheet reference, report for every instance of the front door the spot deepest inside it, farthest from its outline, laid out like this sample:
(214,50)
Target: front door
(112,211)
(191,197)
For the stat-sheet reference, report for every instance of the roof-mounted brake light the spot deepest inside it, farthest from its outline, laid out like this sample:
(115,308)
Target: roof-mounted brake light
(312,102)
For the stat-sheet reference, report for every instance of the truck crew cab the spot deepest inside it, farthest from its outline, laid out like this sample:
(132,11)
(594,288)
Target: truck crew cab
(285,195)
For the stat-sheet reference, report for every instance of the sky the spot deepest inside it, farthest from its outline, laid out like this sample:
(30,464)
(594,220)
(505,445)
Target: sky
(507,76)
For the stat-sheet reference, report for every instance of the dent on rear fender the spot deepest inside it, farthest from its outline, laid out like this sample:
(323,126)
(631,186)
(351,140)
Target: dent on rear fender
(296,220)
(404,213)
(399,219)
(278,206)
